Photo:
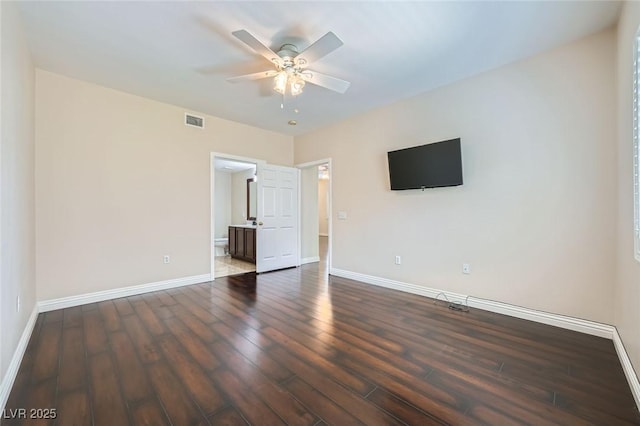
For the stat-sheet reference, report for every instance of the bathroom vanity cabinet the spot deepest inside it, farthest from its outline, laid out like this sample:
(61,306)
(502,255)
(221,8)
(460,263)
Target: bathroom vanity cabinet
(242,242)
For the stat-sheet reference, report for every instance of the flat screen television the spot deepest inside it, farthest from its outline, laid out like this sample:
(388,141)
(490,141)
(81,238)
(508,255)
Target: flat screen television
(426,166)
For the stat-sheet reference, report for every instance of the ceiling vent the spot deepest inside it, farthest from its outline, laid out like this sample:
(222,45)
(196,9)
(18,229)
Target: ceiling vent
(192,120)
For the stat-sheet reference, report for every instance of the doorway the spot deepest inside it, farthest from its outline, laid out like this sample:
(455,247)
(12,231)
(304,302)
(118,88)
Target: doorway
(315,212)
(264,216)
(233,214)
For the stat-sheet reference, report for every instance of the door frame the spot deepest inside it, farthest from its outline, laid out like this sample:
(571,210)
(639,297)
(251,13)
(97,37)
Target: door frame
(212,173)
(330,225)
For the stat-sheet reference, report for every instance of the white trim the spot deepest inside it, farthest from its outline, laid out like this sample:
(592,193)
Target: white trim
(329,162)
(99,296)
(212,219)
(627,367)
(312,259)
(330,225)
(570,323)
(395,285)
(562,321)
(212,183)
(636,147)
(313,163)
(299,234)
(10,376)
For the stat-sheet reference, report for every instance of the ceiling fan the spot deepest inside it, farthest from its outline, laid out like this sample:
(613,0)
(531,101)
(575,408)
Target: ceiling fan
(291,70)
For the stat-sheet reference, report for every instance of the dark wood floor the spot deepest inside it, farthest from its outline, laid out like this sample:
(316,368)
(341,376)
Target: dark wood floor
(292,347)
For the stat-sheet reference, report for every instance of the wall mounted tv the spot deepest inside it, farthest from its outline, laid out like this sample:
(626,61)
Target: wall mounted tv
(426,166)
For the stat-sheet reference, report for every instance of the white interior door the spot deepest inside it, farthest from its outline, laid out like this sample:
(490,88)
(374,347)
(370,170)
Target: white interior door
(277,231)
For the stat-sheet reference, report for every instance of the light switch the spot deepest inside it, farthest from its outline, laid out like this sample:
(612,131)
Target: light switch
(342,215)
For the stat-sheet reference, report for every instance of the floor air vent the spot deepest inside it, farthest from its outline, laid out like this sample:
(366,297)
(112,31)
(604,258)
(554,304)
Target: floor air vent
(192,120)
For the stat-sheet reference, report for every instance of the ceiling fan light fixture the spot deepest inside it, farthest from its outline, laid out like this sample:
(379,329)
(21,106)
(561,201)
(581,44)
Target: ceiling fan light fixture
(288,78)
(291,73)
(280,82)
(296,86)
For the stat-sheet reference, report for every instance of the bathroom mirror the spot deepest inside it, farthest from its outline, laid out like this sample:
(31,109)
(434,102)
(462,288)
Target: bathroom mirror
(251,199)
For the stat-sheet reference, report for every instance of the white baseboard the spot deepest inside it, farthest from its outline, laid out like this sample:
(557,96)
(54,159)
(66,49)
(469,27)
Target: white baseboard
(576,324)
(627,367)
(562,321)
(309,259)
(570,323)
(14,365)
(396,285)
(99,296)
(83,299)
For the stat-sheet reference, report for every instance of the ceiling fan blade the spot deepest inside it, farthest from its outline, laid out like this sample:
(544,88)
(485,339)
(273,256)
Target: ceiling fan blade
(322,47)
(255,44)
(326,81)
(254,76)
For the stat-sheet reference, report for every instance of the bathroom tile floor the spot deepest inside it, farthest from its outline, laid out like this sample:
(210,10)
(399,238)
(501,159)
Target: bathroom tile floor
(226,265)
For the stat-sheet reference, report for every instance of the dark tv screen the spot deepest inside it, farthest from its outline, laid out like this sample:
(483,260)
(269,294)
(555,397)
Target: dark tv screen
(426,166)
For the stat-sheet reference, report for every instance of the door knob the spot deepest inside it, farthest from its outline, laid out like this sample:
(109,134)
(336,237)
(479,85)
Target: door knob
(260,223)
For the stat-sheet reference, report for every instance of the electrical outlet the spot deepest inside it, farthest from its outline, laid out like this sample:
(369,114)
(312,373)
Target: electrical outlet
(166,258)
(398,260)
(466,268)
(18,304)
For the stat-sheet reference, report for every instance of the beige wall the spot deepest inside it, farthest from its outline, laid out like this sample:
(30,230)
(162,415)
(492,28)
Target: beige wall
(239,196)
(17,223)
(323,206)
(537,212)
(627,290)
(121,181)
(222,203)
(309,212)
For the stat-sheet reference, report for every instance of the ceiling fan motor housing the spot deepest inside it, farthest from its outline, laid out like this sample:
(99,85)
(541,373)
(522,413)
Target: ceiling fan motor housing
(288,51)
(287,54)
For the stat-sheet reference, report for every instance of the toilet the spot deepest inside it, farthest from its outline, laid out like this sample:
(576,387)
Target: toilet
(221,246)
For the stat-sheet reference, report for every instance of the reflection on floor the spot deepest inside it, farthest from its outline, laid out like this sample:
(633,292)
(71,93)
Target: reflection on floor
(226,265)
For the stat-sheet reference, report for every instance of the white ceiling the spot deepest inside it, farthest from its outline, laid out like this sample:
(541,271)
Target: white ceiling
(181,52)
